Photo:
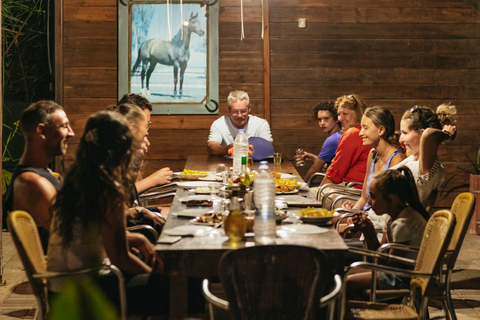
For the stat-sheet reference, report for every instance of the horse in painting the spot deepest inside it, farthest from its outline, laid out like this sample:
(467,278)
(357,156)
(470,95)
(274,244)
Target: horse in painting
(175,53)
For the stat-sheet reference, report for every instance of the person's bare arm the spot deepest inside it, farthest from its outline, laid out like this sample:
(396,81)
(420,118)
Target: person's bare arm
(326,180)
(215,148)
(36,195)
(114,236)
(316,167)
(159,177)
(429,143)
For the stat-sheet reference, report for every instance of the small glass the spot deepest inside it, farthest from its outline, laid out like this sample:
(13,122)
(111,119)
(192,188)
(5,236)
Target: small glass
(300,160)
(222,172)
(277,162)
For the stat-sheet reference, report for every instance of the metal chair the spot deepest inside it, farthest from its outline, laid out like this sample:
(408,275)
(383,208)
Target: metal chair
(434,245)
(276,282)
(25,236)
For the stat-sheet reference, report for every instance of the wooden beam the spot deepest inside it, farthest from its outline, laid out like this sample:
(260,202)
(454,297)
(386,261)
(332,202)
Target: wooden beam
(266,60)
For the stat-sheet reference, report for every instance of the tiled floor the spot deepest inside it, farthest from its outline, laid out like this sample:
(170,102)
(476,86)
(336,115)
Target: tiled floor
(17,302)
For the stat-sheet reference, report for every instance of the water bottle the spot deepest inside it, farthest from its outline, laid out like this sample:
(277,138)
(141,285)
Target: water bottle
(264,198)
(240,148)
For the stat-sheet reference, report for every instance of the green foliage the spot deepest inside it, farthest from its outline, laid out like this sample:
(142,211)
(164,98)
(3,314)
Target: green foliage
(82,300)
(26,70)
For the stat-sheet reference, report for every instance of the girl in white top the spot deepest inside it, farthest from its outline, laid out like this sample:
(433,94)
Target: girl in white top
(421,133)
(392,193)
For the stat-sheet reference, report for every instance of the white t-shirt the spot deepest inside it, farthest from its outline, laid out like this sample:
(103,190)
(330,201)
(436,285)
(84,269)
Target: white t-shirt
(223,131)
(426,183)
(408,228)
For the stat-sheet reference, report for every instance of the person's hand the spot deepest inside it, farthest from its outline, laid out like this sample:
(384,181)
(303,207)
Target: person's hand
(347,205)
(155,217)
(307,156)
(162,176)
(139,244)
(361,221)
(140,153)
(450,130)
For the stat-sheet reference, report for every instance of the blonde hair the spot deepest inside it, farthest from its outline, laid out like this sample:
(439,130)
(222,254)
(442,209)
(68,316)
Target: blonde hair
(447,114)
(352,102)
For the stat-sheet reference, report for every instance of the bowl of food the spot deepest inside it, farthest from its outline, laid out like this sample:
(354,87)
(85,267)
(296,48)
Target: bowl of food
(316,215)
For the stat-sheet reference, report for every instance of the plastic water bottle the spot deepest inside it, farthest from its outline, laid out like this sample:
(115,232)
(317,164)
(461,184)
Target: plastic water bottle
(264,198)
(240,148)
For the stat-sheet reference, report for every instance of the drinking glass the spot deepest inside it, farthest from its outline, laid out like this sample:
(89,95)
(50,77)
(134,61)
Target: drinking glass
(222,171)
(277,162)
(299,157)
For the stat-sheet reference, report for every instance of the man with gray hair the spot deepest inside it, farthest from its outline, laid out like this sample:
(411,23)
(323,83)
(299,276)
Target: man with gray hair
(224,130)
(33,187)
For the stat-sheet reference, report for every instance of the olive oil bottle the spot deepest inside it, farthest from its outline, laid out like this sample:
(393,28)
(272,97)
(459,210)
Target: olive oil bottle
(234,224)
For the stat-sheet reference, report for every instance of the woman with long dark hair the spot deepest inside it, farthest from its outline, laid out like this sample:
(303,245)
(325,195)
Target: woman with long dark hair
(89,215)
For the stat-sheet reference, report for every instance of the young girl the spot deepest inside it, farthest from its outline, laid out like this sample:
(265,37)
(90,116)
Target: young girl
(392,193)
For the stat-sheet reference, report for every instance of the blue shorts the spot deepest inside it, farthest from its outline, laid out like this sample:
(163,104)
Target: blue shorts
(389,281)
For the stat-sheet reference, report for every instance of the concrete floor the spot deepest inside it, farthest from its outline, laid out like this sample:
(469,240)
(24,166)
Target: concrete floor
(17,302)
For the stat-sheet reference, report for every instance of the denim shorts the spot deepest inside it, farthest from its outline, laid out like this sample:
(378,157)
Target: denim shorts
(389,281)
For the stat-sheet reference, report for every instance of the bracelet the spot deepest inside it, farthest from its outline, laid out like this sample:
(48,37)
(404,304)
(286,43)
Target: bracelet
(448,133)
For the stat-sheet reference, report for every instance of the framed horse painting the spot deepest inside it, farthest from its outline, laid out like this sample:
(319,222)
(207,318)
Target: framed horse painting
(168,52)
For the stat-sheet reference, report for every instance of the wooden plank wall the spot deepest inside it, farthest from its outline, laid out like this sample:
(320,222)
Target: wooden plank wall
(90,75)
(394,54)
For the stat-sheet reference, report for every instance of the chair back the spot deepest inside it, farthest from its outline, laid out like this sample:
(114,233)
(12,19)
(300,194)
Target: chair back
(436,238)
(462,208)
(275,281)
(27,241)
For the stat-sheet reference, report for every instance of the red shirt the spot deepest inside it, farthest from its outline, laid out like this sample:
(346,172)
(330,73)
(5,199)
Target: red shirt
(350,162)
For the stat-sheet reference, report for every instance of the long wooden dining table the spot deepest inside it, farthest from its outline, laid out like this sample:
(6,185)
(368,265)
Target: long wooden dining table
(198,256)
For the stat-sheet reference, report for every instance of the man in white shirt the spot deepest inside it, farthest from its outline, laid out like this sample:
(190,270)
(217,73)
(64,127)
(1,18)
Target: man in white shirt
(224,130)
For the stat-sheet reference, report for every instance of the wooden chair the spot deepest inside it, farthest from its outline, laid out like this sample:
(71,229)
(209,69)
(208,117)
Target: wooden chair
(25,236)
(276,282)
(434,245)
(462,208)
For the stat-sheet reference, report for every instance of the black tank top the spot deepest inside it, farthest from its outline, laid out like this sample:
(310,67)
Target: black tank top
(8,199)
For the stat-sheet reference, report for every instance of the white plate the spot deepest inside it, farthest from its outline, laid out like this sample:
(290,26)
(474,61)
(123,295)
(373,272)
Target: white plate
(193,184)
(195,197)
(286,176)
(287,192)
(189,176)
(192,213)
(303,229)
(211,178)
(188,230)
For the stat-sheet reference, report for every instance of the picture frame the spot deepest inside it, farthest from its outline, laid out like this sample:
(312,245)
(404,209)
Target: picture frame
(168,52)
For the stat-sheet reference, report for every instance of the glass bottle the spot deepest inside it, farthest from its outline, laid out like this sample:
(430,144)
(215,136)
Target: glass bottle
(234,224)
(244,176)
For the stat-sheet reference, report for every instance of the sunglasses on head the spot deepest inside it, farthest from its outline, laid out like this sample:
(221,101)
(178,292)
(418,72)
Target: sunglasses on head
(420,114)
(351,96)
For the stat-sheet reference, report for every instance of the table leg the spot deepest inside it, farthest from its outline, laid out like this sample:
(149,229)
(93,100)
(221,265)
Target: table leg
(178,297)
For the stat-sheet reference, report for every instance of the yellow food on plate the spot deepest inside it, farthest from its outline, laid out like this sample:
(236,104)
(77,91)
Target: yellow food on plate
(313,212)
(287,182)
(193,172)
(276,175)
(284,188)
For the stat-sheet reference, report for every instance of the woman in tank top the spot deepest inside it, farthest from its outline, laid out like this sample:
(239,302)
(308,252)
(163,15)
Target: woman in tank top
(378,132)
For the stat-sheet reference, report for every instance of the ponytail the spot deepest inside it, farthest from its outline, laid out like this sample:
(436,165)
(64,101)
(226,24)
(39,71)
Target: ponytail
(401,183)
